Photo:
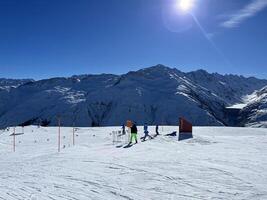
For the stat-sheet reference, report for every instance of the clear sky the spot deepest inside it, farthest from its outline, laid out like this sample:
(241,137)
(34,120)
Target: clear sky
(47,38)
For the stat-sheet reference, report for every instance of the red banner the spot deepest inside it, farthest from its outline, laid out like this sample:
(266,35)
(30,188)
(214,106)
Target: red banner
(185,126)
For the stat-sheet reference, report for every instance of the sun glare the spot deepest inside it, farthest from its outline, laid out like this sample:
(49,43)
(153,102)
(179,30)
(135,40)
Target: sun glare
(185,5)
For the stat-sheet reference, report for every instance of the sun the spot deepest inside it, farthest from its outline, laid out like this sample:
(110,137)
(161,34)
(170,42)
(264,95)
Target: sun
(185,5)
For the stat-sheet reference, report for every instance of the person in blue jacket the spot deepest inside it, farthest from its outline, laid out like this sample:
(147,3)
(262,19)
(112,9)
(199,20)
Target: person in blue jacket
(157,130)
(146,133)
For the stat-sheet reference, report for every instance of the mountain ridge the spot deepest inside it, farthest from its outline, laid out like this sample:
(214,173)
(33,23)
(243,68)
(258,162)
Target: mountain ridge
(156,94)
(141,69)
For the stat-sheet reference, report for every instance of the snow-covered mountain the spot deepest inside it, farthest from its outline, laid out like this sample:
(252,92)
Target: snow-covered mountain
(254,113)
(6,84)
(154,95)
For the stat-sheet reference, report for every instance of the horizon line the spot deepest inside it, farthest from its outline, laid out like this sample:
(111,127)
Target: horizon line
(124,73)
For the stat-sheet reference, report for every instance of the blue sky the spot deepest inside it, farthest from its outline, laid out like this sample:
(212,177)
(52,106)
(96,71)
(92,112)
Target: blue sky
(47,38)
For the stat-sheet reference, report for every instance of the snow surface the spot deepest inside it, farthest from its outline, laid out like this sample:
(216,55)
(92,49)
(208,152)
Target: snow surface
(219,163)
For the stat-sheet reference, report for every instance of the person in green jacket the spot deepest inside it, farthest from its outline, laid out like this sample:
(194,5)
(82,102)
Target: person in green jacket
(133,134)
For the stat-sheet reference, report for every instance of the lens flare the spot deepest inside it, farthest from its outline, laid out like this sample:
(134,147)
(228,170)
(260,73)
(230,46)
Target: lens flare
(185,5)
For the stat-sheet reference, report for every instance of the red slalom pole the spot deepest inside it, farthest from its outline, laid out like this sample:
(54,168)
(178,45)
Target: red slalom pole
(58,134)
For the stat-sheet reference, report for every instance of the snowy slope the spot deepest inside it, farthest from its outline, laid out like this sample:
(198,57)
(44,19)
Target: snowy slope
(219,163)
(231,88)
(255,112)
(155,95)
(7,84)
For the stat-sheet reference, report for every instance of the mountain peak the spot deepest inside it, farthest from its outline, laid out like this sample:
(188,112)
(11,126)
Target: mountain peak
(159,68)
(202,71)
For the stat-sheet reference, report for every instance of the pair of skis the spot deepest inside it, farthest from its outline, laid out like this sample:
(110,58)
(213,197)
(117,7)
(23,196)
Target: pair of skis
(125,146)
(132,144)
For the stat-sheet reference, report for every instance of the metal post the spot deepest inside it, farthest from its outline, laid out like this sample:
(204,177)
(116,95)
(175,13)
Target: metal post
(73,137)
(113,137)
(116,136)
(129,134)
(14,139)
(126,136)
(58,134)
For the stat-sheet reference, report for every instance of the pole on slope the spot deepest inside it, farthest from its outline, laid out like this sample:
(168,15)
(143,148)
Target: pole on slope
(162,126)
(58,133)
(73,137)
(14,139)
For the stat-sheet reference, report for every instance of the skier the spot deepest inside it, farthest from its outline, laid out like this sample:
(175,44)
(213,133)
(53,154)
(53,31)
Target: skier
(123,129)
(157,130)
(133,134)
(146,133)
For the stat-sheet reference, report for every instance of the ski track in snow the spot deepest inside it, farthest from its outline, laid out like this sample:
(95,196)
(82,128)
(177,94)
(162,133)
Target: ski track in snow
(219,163)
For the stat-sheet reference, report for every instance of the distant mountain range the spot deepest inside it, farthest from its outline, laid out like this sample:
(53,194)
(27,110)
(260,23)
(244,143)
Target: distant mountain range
(156,95)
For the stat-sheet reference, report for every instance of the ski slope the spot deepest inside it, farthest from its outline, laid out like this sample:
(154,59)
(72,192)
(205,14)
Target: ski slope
(219,163)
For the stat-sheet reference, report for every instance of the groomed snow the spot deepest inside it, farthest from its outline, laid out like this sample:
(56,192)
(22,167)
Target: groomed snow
(219,163)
